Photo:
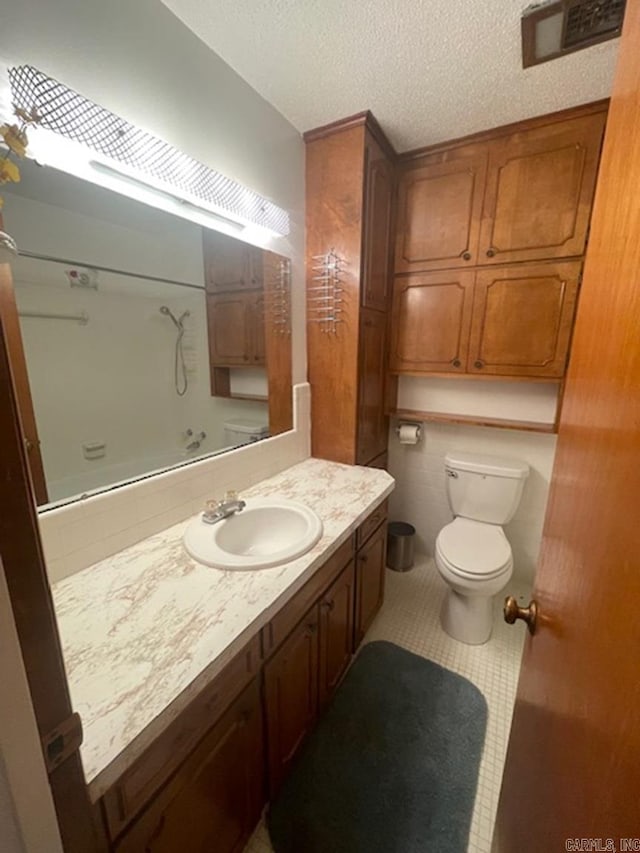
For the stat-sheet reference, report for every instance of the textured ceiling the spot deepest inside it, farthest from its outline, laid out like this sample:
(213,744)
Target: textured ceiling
(430,70)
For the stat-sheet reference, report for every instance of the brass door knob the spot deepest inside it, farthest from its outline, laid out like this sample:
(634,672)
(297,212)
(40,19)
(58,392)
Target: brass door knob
(512,612)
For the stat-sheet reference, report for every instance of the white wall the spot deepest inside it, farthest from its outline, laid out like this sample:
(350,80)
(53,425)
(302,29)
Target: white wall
(420,494)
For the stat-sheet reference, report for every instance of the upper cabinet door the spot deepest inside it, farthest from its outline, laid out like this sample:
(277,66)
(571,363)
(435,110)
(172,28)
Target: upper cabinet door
(540,187)
(439,209)
(522,319)
(430,322)
(376,260)
(230,265)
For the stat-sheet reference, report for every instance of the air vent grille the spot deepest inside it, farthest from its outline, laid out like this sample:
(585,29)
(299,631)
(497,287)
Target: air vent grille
(592,19)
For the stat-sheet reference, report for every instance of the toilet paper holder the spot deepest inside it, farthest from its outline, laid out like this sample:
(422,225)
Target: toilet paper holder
(417,428)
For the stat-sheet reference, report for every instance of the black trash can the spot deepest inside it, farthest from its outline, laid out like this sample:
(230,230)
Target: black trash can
(400,544)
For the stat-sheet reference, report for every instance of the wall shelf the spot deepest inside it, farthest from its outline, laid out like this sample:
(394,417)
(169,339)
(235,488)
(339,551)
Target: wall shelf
(473,420)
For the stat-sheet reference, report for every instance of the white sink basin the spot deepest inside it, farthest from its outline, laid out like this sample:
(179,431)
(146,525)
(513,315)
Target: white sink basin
(265,533)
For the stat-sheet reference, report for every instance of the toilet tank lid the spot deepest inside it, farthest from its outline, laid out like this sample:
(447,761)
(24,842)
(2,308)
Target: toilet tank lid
(246,425)
(495,466)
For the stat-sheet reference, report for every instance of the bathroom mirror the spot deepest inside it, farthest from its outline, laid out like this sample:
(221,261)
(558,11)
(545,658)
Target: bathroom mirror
(149,341)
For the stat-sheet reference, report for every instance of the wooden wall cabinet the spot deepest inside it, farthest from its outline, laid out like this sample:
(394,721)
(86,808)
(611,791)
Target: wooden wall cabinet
(350,193)
(230,265)
(523,195)
(236,329)
(502,321)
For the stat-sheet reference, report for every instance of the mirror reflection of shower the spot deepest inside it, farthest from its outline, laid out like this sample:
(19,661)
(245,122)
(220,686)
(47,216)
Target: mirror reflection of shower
(180,379)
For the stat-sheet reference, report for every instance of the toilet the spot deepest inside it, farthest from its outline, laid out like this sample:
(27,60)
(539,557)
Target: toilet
(472,553)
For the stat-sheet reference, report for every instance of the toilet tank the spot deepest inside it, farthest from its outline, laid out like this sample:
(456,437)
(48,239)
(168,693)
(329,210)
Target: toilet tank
(484,488)
(244,431)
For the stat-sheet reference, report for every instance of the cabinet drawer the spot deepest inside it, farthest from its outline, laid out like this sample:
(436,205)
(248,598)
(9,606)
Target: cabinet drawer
(284,622)
(159,761)
(371,523)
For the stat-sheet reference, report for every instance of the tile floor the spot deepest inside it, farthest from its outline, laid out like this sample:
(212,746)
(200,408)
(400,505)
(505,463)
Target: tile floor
(410,618)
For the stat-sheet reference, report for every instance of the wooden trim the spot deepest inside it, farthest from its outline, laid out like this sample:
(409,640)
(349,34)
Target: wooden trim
(504,130)
(35,617)
(365,118)
(474,420)
(483,377)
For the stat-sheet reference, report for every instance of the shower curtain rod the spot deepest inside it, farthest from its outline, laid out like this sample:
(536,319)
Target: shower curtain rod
(38,257)
(83,318)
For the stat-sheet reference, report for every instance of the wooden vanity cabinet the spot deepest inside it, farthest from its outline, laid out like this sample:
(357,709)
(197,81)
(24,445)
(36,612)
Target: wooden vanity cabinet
(215,799)
(350,186)
(370,578)
(336,610)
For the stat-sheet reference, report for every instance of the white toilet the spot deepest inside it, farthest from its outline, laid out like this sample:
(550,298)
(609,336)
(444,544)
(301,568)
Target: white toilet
(472,553)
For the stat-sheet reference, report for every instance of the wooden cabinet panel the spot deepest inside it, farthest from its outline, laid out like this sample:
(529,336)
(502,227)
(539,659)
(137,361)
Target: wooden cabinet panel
(430,321)
(370,577)
(439,210)
(373,425)
(156,764)
(291,695)
(336,632)
(230,265)
(215,799)
(236,329)
(540,186)
(376,248)
(522,319)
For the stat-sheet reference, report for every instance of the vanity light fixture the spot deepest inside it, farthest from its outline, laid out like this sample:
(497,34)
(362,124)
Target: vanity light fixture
(86,140)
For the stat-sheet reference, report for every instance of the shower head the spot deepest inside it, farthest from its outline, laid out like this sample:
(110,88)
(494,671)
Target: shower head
(169,313)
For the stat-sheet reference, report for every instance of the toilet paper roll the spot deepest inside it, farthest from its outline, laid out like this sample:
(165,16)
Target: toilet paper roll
(409,433)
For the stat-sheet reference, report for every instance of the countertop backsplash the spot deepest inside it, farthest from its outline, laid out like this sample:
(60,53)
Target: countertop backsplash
(82,533)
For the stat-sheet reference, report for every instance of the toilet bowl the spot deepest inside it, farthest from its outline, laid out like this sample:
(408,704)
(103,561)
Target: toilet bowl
(472,553)
(475,561)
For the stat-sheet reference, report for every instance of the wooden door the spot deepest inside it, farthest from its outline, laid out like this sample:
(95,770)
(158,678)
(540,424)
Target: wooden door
(291,695)
(539,192)
(572,767)
(439,209)
(371,562)
(214,800)
(522,319)
(430,322)
(336,632)
(229,264)
(231,328)
(373,425)
(375,288)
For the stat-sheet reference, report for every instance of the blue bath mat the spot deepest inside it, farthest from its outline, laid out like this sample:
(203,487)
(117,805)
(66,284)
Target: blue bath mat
(392,766)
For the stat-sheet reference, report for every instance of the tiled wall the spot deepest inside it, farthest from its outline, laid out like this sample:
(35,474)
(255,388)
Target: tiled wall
(420,494)
(77,535)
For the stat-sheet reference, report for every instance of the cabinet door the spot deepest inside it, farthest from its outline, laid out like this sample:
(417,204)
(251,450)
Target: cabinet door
(373,433)
(540,187)
(430,322)
(370,567)
(230,323)
(215,799)
(229,264)
(522,319)
(291,692)
(376,247)
(439,209)
(336,632)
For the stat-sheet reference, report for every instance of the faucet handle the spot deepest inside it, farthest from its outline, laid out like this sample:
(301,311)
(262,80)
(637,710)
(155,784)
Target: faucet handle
(231,495)
(211,505)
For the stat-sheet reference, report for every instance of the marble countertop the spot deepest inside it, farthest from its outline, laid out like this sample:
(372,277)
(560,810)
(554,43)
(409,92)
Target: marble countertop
(146,629)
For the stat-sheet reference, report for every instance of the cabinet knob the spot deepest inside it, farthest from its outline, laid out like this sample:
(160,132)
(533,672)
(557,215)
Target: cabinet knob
(466,256)
(478,363)
(456,362)
(312,627)
(328,605)
(490,253)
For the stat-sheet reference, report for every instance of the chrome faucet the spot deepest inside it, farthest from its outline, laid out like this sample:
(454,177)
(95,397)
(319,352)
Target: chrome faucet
(215,511)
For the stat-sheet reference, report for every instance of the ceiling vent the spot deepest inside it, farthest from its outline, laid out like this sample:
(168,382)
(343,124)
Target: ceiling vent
(556,27)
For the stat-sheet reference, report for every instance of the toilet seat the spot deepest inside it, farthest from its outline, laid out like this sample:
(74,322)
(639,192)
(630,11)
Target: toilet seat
(474,549)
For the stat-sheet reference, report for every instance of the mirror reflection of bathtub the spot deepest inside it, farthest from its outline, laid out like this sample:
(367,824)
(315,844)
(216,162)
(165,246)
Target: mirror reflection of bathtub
(138,349)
